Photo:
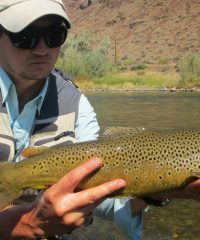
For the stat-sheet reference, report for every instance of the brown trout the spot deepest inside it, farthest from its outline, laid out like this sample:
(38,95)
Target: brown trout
(149,161)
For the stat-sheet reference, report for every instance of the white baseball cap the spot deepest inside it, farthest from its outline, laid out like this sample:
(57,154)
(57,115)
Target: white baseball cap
(15,15)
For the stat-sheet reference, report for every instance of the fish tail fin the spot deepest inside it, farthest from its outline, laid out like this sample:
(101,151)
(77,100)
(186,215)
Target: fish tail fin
(8,191)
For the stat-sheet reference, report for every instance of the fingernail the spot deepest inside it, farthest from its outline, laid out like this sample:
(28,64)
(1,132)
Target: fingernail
(119,183)
(97,162)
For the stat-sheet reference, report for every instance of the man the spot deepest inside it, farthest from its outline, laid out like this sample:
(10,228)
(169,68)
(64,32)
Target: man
(39,108)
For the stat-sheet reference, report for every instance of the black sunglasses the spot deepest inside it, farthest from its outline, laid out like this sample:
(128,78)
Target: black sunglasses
(54,36)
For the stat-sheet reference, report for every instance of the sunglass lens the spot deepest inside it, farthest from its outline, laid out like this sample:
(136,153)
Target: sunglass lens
(55,37)
(24,39)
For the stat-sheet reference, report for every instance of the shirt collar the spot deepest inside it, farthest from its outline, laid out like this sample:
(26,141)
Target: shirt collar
(6,84)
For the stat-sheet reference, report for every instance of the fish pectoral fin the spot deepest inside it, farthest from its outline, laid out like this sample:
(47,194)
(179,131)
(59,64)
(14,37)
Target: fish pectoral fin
(33,151)
(118,132)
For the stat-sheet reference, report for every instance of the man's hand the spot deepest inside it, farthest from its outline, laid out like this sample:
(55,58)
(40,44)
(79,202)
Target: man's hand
(60,209)
(191,191)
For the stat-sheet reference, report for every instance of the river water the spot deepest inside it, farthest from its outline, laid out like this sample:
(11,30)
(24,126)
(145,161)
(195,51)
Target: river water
(154,110)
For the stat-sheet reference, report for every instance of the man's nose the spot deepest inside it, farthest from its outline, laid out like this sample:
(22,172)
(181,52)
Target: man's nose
(41,48)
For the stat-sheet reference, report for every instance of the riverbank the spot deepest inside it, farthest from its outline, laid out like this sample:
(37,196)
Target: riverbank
(153,78)
(142,90)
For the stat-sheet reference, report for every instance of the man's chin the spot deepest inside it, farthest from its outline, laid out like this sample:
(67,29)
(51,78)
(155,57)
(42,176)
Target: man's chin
(40,70)
(37,75)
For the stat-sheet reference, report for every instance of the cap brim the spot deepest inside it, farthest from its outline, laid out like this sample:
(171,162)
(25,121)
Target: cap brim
(19,16)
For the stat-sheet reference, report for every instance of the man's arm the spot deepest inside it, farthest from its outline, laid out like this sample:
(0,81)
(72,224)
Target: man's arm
(87,127)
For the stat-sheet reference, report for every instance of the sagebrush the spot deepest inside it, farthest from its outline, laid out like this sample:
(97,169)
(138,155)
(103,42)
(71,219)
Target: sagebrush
(83,56)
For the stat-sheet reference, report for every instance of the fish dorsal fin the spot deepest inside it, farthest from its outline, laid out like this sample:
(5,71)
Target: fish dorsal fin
(33,151)
(118,132)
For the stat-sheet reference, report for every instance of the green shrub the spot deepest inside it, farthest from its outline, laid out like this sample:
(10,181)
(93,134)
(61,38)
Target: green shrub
(140,72)
(127,62)
(163,60)
(122,68)
(138,67)
(84,56)
(189,68)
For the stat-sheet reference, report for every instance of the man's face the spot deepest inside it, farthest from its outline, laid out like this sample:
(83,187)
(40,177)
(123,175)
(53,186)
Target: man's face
(29,64)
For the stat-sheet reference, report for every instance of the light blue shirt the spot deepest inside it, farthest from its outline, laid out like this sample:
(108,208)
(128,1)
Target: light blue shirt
(86,128)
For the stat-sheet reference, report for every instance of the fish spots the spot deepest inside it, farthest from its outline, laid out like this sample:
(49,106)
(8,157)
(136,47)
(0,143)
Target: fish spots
(157,169)
(160,177)
(126,171)
(161,164)
(107,166)
(124,163)
(105,163)
(72,163)
(41,165)
(136,178)
(152,159)
(146,178)
(115,164)
(169,173)
(135,168)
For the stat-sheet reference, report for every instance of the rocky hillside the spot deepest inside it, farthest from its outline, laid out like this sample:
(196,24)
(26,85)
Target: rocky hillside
(141,31)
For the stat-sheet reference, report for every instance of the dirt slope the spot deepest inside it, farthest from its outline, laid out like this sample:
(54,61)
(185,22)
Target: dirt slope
(144,31)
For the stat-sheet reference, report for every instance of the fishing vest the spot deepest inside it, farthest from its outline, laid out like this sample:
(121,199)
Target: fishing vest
(54,125)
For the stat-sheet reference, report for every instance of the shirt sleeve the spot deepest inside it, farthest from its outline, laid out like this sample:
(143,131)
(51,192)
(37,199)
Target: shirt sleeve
(86,127)
(117,210)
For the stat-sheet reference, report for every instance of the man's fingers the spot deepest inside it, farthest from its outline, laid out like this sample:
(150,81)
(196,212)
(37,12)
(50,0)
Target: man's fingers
(192,190)
(64,207)
(91,196)
(194,186)
(74,177)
